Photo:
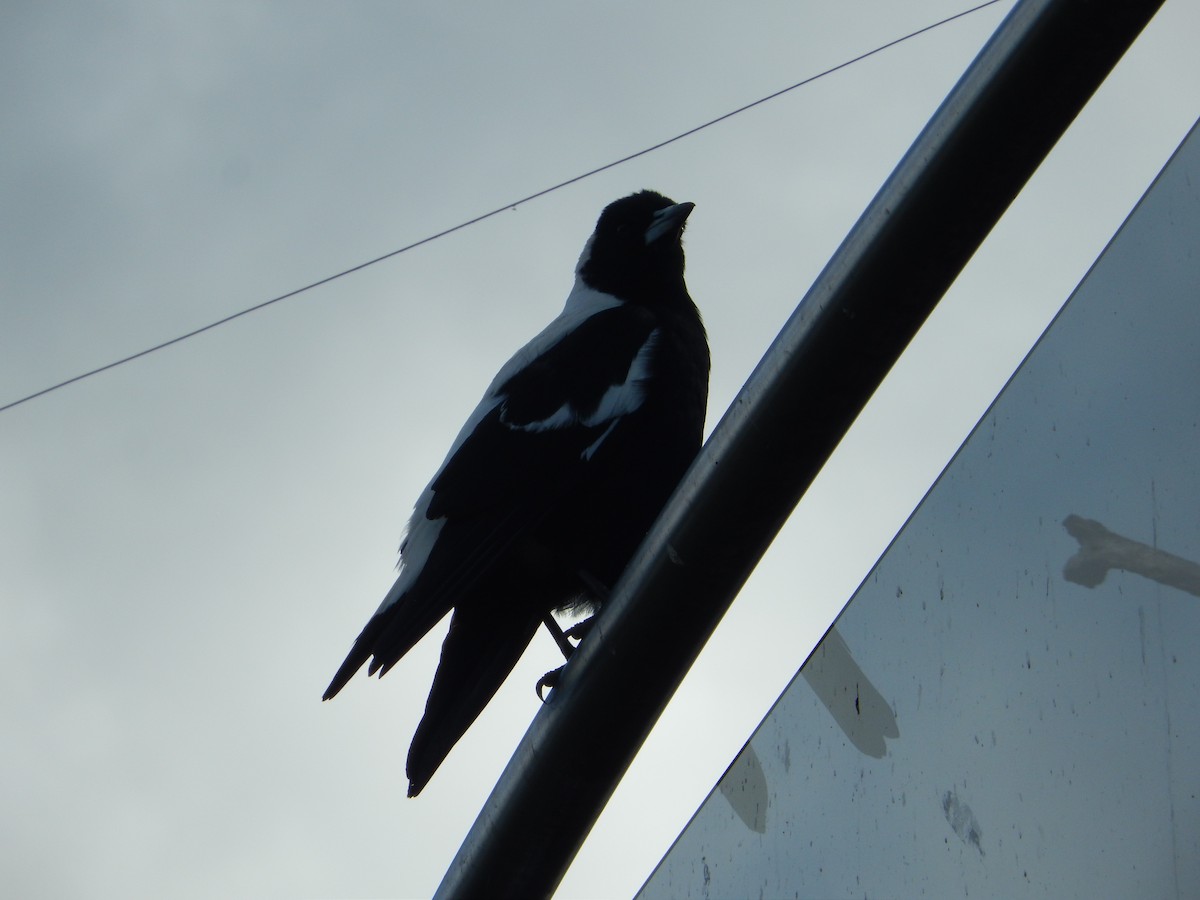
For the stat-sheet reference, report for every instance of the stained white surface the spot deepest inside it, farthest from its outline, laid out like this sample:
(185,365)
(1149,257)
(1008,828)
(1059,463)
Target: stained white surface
(987,718)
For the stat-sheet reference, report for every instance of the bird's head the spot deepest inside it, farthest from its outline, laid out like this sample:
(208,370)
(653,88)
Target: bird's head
(636,253)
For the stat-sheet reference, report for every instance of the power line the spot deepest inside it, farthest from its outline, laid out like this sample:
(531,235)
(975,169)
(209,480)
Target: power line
(507,206)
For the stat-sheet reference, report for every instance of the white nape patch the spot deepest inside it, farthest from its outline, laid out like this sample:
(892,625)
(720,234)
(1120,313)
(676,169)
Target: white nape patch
(419,540)
(586,255)
(619,400)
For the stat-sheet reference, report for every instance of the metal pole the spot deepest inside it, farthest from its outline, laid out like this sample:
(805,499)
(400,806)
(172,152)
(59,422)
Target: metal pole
(974,156)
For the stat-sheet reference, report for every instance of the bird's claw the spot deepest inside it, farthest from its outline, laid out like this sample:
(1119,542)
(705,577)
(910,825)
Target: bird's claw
(580,630)
(549,680)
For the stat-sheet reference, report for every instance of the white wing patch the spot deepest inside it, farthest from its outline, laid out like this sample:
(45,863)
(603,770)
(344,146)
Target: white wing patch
(595,445)
(622,399)
(619,400)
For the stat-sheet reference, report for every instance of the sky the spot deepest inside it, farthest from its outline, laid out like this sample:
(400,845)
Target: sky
(189,543)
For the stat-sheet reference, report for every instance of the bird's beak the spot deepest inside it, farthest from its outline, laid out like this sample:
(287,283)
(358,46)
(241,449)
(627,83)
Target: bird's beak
(668,221)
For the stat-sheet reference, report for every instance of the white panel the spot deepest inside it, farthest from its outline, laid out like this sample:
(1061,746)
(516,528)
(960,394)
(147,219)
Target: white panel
(1010,704)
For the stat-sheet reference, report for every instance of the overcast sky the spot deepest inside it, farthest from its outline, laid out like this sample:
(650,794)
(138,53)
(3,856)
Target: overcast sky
(192,541)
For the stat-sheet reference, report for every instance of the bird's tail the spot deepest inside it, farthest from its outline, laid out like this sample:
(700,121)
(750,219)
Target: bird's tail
(482,647)
(363,647)
(387,636)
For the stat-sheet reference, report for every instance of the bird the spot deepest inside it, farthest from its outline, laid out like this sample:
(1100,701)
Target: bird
(555,477)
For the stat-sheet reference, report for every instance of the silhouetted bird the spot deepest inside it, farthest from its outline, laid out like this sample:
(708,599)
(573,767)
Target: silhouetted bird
(556,476)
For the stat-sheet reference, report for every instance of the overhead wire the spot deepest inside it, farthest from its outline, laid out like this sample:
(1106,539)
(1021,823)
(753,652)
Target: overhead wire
(506,207)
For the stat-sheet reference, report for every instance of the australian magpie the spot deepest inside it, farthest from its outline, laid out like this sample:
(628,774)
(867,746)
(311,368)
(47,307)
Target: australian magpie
(555,477)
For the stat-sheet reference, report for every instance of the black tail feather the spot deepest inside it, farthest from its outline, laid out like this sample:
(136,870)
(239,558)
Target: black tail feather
(363,647)
(387,636)
(482,647)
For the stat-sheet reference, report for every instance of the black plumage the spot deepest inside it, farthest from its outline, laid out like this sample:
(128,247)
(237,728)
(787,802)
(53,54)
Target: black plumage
(556,476)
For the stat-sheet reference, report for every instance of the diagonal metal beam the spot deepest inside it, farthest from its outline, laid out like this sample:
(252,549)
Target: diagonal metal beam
(985,141)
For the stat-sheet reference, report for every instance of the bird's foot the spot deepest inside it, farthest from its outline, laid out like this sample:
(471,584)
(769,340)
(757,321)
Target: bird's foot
(576,632)
(580,630)
(549,680)
(560,636)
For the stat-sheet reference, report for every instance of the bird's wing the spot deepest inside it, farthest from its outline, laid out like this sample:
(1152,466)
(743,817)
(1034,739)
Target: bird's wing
(534,435)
